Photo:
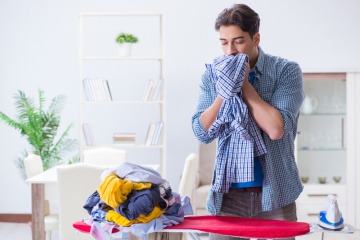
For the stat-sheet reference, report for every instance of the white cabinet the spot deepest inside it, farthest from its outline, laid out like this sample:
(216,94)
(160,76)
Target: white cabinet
(322,128)
(325,149)
(127,77)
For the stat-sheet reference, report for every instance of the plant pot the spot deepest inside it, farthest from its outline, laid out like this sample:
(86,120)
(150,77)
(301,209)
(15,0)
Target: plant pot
(125,50)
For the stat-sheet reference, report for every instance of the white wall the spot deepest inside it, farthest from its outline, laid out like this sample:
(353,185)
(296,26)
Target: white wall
(39,49)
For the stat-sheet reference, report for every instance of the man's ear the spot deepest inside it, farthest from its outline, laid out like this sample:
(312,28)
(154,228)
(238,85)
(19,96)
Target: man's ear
(256,39)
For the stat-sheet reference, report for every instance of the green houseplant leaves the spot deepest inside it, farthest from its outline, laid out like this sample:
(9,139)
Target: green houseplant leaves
(126,38)
(40,126)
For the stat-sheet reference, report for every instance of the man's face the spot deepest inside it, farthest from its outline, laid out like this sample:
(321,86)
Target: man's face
(234,40)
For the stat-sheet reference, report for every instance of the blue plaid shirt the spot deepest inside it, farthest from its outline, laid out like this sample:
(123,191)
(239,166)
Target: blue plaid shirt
(239,136)
(279,82)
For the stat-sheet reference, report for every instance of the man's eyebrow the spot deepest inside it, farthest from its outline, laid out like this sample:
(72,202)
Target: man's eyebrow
(221,39)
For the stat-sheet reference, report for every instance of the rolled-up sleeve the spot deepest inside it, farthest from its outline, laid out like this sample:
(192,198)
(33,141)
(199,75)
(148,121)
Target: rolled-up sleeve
(289,95)
(207,96)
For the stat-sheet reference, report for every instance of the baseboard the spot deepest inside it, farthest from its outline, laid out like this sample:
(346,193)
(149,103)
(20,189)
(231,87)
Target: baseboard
(15,218)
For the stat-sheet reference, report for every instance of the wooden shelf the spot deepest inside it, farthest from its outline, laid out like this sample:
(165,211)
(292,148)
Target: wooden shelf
(123,58)
(125,102)
(325,76)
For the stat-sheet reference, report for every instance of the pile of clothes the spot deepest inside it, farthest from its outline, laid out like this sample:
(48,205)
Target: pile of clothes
(136,197)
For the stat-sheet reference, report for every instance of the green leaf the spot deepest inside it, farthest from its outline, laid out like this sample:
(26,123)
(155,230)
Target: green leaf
(126,38)
(40,127)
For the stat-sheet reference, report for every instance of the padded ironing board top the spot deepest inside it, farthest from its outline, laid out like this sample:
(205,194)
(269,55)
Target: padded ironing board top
(244,227)
(232,226)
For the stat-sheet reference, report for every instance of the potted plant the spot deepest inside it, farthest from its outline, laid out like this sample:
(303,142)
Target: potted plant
(40,127)
(125,41)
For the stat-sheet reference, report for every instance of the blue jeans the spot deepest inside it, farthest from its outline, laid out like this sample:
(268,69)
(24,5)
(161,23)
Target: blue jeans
(248,204)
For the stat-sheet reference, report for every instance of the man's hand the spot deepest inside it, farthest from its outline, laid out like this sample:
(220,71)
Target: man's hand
(230,71)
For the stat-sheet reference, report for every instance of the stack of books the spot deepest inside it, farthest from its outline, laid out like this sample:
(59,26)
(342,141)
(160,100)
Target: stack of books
(88,134)
(154,133)
(97,90)
(153,90)
(124,138)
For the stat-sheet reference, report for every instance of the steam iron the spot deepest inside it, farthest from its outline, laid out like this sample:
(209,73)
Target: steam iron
(330,217)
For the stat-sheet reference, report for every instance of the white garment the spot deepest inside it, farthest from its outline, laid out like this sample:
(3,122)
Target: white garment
(136,173)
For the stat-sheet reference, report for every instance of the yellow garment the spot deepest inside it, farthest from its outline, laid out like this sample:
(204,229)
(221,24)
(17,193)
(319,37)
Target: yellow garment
(120,220)
(114,190)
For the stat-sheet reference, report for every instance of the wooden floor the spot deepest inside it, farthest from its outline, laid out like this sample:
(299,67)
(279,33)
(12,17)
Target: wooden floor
(22,231)
(19,231)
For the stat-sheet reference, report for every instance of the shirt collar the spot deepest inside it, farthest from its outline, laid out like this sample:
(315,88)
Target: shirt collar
(260,62)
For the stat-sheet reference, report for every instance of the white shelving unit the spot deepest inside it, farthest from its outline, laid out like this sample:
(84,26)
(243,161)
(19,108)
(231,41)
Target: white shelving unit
(324,148)
(127,77)
(322,132)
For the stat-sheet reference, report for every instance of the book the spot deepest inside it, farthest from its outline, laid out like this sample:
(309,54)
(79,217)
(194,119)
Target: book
(150,134)
(108,92)
(101,88)
(147,91)
(97,90)
(153,90)
(88,134)
(158,89)
(91,89)
(157,134)
(87,90)
(124,138)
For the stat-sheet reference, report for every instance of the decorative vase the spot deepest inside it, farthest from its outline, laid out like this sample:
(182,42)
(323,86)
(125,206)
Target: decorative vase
(125,50)
(309,105)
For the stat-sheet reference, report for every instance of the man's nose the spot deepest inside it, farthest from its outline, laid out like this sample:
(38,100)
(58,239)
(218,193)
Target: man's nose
(231,50)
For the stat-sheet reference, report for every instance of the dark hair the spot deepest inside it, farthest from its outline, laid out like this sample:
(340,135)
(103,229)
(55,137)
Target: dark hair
(240,15)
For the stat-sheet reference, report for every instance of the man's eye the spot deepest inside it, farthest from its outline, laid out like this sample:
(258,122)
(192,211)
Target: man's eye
(224,43)
(239,42)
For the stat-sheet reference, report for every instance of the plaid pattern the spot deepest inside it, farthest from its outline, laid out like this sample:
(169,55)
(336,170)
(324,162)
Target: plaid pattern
(228,73)
(234,126)
(278,82)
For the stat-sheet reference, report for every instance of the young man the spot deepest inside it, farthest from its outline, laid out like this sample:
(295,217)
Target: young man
(273,92)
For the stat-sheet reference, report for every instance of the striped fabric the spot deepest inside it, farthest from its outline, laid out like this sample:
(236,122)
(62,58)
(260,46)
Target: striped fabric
(279,82)
(239,136)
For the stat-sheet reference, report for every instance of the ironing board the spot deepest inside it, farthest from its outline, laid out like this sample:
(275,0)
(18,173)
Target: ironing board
(238,227)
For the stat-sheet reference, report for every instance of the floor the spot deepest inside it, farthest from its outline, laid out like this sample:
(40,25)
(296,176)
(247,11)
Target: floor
(22,231)
(19,231)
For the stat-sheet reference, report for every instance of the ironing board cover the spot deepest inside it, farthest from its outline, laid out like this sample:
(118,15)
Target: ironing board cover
(233,226)
(85,228)
(244,227)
